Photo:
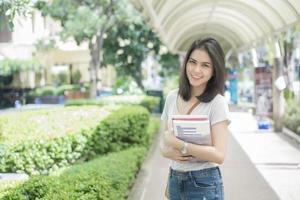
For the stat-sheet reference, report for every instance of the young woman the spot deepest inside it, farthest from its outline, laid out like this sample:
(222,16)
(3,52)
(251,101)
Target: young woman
(194,172)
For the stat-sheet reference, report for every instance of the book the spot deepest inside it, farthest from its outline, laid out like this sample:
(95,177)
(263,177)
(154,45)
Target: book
(192,128)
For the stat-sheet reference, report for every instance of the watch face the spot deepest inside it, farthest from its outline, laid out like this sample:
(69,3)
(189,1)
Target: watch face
(183,149)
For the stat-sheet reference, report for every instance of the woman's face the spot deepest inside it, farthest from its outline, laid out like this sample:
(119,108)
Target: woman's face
(199,69)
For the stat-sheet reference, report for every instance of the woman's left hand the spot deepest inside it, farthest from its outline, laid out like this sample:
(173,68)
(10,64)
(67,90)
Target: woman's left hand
(169,138)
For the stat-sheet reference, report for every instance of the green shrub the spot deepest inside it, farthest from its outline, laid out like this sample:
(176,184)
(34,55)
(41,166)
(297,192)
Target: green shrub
(82,102)
(153,129)
(10,67)
(61,89)
(43,91)
(45,124)
(123,128)
(150,102)
(292,115)
(105,178)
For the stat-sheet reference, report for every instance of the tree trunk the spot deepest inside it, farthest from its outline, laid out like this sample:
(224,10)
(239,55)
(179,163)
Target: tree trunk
(138,79)
(95,64)
(93,69)
(95,47)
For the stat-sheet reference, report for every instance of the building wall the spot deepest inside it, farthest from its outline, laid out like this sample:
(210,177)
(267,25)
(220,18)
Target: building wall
(21,45)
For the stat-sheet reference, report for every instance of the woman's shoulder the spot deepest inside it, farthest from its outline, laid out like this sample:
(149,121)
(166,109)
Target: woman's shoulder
(172,94)
(218,99)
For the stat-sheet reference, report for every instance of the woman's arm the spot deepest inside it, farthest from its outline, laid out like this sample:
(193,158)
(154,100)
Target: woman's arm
(168,151)
(214,153)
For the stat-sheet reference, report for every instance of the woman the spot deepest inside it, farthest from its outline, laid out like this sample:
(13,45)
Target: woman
(200,92)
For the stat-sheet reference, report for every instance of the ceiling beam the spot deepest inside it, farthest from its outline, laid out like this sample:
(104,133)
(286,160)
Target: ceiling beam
(156,23)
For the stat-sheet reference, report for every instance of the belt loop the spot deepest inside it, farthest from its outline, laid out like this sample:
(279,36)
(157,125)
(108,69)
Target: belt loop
(219,172)
(170,172)
(191,175)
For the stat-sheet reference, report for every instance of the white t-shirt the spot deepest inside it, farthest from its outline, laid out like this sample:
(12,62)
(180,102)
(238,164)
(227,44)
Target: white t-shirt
(217,111)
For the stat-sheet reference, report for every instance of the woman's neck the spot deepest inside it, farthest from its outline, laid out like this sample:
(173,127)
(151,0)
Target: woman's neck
(197,91)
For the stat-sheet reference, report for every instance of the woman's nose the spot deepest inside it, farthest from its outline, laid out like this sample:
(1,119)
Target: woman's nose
(197,68)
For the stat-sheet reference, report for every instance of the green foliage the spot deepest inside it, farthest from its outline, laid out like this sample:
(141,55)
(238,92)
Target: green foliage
(170,64)
(122,83)
(10,9)
(44,91)
(105,178)
(150,102)
(288,94)
(44,44)
(171,83)
(19,127)
(153,129)
(125,85)
(81,20)
(60,90)
(76,76)
(51,90)
(61,78)
(127,45)
(82,102)
(123,128)
(292,115)
(9,67)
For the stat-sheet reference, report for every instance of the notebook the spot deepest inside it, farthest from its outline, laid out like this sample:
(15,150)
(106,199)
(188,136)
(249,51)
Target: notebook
(192,128)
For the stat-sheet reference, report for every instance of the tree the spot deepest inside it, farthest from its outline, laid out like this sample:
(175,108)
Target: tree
(169,64)
(127,45)
(85,21)
(9,9)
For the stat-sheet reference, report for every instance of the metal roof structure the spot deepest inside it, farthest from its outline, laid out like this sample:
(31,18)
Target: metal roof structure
(235,23)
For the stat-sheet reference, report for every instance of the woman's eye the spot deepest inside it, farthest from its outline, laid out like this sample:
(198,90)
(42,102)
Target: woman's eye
(191,61)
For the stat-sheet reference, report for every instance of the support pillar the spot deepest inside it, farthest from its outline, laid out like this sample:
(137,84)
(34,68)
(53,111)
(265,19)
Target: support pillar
(278,99)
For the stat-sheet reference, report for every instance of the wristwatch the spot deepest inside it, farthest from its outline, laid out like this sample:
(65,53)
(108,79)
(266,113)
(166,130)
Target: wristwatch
(183,149)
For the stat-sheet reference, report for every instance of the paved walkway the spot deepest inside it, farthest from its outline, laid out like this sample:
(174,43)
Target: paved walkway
(259,165)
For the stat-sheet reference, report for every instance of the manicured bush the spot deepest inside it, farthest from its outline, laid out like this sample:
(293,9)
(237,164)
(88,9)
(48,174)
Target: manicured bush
(292,115)
(125,127)
(105,178)
(68,87)
(149,102)
(41,125)
(82,102)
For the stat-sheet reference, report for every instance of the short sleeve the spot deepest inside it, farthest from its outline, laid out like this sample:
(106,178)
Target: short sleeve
(167,107)
(164,114)
(219,110)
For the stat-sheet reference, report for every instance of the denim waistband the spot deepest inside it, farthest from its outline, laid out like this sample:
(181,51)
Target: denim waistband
(213,172)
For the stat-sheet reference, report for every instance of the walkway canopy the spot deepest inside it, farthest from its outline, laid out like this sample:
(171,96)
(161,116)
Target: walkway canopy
(235,23)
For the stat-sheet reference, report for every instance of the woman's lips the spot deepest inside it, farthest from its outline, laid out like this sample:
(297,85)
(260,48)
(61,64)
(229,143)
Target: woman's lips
(196,77)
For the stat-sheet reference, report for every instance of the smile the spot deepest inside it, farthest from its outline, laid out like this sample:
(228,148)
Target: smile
(196,77)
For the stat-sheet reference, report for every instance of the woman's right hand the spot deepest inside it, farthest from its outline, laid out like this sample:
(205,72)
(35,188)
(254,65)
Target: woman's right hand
(177,156)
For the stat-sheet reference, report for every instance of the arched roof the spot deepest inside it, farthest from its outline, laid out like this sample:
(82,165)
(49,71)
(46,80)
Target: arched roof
(236,23)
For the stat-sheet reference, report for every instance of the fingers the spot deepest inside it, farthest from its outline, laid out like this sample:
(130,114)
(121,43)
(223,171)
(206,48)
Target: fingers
(185,159)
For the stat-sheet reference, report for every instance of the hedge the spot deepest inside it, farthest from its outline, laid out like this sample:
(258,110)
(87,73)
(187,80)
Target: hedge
(292,115)
(40,125)
(149,102)
(105,178)
(124,128)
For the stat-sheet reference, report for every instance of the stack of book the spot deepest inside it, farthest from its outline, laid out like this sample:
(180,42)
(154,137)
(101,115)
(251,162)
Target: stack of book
(192,128)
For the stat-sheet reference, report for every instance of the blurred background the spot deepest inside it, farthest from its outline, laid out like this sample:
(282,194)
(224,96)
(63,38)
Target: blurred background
(62,54)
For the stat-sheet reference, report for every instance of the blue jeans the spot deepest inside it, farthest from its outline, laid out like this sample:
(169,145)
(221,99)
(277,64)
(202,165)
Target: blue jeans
(205,184)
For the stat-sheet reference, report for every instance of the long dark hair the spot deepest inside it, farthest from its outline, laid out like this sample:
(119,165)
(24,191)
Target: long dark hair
(217,82)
